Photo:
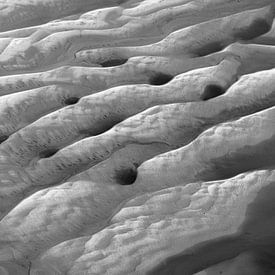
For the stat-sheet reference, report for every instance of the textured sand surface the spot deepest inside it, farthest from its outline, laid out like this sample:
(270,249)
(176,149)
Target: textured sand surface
(137,137)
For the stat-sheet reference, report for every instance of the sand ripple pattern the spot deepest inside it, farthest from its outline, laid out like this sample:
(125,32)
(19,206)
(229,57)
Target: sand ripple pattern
(137,137)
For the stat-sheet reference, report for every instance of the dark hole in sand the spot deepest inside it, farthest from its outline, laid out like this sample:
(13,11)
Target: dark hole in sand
(160,79)
(212,91)
(114,62)
(71,100)
(3,138)
(209,48)
(47,153)
(257,28)
(126,176)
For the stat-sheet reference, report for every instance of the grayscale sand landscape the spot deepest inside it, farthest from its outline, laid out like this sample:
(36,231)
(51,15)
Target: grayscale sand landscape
(137,137)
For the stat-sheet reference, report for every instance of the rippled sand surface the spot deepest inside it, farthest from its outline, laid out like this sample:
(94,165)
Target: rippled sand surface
(137,137)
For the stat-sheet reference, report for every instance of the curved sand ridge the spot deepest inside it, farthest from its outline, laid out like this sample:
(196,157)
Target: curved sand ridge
(136,137)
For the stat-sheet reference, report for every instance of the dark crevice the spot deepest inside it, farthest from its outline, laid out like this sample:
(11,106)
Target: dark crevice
(257,28)
(248,158)
(120,2)
(126,176)
(71,100)
(160,79)
(255,237)
(114,62)
(102,127)
(212,91)
(47,153)
(201,256)
(29,268)
(3,138)
(209,48)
